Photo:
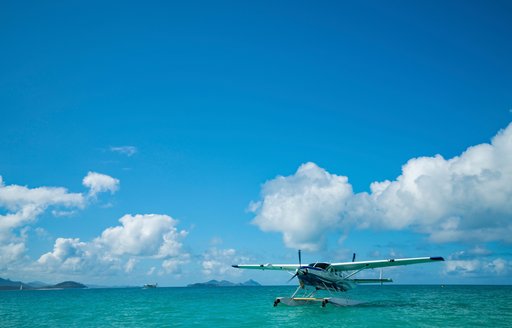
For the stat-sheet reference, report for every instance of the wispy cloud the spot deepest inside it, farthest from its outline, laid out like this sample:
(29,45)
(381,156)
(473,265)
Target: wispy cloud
(124,150)
(218,261)
(473,263)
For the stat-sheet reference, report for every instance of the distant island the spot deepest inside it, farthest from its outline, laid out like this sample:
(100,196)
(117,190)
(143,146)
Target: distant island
(225,283)
(6,284)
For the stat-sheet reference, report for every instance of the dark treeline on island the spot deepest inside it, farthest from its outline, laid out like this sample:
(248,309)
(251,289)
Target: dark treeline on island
(6,284)
(225,283)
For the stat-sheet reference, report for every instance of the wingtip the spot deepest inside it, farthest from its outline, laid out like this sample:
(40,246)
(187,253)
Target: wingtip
(437,258)
(235,266)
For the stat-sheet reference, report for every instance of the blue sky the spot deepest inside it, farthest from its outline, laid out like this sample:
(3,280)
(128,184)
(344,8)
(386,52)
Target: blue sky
(165,141)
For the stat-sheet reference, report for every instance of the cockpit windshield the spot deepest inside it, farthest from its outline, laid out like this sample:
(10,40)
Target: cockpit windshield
(320,265)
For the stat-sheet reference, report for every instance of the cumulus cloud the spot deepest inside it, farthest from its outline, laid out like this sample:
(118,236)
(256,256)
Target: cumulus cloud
(465,198)
(23,205)
(97,182)
(303,206)
(143,235)
(121,247)
(69,254)
(468,197)
(124,150)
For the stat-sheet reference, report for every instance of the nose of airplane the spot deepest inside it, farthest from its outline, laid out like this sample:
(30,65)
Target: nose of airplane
(302,271)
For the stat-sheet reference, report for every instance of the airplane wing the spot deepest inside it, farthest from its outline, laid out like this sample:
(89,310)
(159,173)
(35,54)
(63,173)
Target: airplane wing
(268,266)
(350,266)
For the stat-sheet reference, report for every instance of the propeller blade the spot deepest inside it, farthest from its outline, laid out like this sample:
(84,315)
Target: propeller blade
(295,275)
(353,257)
(296,271)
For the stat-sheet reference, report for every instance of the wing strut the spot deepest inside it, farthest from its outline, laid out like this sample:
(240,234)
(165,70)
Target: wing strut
(353,273)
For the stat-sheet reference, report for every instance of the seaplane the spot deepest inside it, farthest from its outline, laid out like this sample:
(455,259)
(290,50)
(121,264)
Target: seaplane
(331,277)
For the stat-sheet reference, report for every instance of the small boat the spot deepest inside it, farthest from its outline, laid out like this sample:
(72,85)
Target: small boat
(147,286)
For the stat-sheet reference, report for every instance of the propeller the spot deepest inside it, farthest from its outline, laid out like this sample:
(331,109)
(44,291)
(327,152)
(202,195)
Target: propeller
(297,271)
(353,257)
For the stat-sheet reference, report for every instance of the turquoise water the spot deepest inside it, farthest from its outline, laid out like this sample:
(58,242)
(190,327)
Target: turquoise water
(384,306)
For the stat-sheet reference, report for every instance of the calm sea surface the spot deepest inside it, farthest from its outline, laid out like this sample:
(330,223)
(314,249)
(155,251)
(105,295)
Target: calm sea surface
(383,306)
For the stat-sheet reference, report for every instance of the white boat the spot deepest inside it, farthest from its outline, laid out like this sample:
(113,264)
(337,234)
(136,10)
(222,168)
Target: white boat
(147,286)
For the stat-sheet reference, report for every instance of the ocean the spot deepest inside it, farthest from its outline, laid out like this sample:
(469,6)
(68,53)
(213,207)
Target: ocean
(381,306)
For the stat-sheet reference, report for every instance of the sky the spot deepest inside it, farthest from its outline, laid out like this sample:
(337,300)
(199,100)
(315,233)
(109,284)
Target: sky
(163,141)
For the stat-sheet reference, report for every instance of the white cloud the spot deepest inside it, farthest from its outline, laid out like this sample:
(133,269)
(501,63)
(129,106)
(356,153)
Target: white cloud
(97,182)
(468,197)
(11,251)
(303,206)
(500,266)
(73,256)
(124,150)
(144,235)
(465,198)
(69,254)
(217,262)
(463,267)
(23,205)
(17,198)
(120,248)
(467,264)
(174,265)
